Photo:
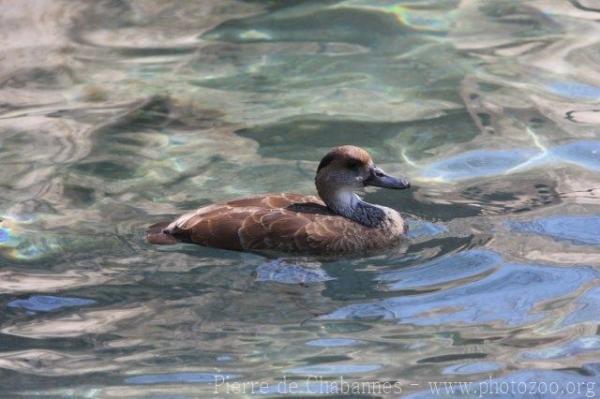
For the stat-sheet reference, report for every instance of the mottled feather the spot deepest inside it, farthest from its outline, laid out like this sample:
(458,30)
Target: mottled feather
(279,222)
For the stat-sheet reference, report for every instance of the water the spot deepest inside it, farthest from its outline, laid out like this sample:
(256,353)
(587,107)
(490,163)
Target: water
(115,115)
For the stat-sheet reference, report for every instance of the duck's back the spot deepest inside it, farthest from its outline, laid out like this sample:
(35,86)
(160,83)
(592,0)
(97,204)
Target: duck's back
(279,222)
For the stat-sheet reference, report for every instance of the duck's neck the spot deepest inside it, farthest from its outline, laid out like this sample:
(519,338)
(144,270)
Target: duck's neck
(351,206)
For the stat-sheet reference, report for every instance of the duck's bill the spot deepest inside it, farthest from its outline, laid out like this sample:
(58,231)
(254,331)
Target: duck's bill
(379,178)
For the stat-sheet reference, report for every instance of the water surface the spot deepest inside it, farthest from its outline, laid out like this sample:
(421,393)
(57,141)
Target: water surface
(118,114)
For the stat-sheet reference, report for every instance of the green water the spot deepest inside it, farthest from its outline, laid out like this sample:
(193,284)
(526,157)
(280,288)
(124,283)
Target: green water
(118,114)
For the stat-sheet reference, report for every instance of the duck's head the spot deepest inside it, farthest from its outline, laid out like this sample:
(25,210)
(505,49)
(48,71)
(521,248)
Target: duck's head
(347,169)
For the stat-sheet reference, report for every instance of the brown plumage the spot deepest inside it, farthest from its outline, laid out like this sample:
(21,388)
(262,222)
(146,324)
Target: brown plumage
(339,223)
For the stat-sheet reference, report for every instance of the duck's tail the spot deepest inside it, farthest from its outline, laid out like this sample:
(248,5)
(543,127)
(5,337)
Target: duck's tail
(156,235)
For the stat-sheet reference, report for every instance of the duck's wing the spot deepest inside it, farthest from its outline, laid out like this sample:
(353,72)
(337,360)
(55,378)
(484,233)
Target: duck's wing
(275,201)
(263,229)
(259,223)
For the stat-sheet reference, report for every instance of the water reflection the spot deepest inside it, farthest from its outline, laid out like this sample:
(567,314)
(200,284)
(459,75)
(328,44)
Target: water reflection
(289,273)
(463,265)
(585,153)
(516,290)
(45,303)
(115,115)
(185,377)
(73,325)
(332,342)
(576,229)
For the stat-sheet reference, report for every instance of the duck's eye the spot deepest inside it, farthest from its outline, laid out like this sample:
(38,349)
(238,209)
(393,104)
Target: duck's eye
(353,165)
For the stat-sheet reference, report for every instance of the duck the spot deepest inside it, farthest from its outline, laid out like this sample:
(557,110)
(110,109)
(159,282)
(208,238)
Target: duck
(337,221)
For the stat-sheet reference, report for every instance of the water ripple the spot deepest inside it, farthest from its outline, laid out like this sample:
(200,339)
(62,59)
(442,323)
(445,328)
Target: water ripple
(576,229)
(45,303)
(515,290)
(183,377)
(118,114)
